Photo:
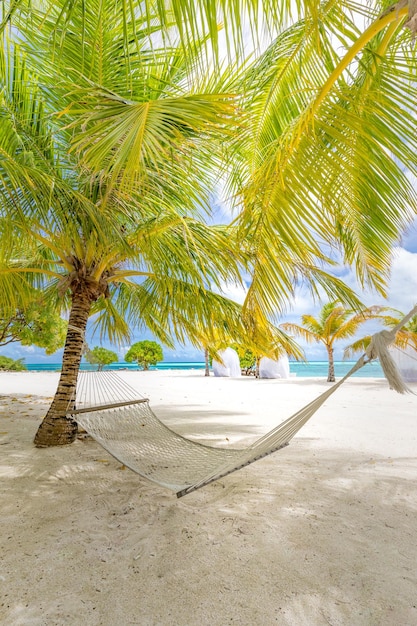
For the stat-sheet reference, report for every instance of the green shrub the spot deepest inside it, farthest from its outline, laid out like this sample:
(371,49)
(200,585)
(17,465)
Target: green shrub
(101,356)
(246,358)
(9,365)
(146,353)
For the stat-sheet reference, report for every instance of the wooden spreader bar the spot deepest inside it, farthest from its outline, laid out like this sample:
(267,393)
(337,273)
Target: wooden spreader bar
(101,407)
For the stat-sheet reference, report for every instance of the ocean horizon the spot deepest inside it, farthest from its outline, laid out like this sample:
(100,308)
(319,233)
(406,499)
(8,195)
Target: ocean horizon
(311,369)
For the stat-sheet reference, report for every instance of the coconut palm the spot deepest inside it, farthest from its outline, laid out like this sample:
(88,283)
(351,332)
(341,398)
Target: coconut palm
(334,323)
(331,100)
(322,161)
(123,243)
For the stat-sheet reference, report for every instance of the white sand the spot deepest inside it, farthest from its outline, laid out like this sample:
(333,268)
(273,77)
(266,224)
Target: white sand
(323,532)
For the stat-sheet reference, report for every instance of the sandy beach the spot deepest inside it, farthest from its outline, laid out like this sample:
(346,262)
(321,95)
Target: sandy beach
(322,532)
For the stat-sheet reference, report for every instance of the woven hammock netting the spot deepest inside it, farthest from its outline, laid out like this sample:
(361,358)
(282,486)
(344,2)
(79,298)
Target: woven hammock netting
(137,438)
(123,422)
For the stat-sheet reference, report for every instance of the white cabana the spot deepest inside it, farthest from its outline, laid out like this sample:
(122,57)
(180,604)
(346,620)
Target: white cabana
(406,361)
(274,368)
(230,366)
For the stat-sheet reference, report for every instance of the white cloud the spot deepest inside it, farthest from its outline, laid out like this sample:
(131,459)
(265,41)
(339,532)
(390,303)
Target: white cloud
(234,292)
(302,304)
(28,349)
(403,284)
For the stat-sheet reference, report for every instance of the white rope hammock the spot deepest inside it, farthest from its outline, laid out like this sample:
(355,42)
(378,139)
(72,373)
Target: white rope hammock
(122,421)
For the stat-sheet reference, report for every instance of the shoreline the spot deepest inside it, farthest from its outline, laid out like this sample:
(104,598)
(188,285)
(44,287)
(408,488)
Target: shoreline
(321,532)
(310,369)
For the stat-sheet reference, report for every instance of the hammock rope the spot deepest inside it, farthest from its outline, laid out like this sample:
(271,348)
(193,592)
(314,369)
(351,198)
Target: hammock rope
(122,421)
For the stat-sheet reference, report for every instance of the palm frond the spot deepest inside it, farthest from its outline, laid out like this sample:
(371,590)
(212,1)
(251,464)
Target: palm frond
(174,309)
(334,133)
(357,346)
(308,334)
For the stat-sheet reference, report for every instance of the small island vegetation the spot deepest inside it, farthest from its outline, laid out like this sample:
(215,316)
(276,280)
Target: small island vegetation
(101,357)
(10,365)
(145,353)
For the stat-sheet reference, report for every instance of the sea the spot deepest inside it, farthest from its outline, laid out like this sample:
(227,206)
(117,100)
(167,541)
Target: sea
(313,369)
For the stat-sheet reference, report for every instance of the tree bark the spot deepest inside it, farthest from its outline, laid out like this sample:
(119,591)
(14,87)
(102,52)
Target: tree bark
(206,360)
(57,428)
(330,377)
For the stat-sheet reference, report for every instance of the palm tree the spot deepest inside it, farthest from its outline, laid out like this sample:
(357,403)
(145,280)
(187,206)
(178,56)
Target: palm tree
(410,331)
(323,163)
(333,324)
(104,225)
(323,160)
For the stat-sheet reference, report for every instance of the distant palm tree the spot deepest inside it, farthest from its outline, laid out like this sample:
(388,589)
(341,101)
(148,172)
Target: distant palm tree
(333,324)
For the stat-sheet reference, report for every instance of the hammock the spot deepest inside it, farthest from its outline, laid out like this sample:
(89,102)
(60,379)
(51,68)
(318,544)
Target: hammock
(122,421)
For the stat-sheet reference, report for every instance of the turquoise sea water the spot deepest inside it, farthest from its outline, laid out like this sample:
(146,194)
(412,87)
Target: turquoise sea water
(311,369)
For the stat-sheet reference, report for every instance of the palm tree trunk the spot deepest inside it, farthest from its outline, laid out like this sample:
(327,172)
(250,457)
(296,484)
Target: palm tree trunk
(258,361)
(206,360)
(330,377)
(57,428)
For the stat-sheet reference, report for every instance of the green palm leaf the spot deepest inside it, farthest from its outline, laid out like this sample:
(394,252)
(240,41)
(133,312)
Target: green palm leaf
(332,140)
